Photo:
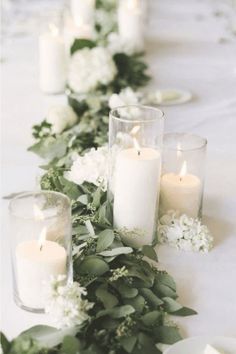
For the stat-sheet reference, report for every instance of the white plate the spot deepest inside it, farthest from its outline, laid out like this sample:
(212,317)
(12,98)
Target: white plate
(196,345)
(183,96)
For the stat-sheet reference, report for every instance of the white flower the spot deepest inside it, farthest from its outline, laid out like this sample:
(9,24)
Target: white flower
(66,303)
(92,168)
(90,68)
(126,97)
(184,233)
(61,117)
(116,44)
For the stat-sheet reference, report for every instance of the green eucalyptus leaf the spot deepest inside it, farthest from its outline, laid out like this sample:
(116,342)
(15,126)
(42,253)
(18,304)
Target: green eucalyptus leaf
(70,188)
(184,311)
(5,344)
(167,335)
(116,251)
(126,291)
(70,345)
(166,280)
(117,312)
(170,305)
(105,239)
(106,298)
(49,336)
(128,343)
(93,265)
(149,252)
(137,303)
(50,147)
(83,199)
(97,198)
(151,318)
(152,300)
(163,290)
(80,44)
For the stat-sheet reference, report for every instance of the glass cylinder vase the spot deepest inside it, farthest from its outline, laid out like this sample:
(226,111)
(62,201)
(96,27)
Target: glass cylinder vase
(40,224)
(183,170)
(135,142)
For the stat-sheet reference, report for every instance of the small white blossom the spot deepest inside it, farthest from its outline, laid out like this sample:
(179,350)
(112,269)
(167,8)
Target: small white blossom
(66,303)
(92,168)
(116,44)
(90,68)
(126,97)
(61,117)
(184,233)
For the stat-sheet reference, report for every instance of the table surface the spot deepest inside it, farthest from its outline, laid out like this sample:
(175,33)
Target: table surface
(184,51)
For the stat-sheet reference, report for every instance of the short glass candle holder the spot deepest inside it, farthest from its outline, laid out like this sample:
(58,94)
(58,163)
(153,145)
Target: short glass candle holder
(40,225)
(183,170)
(135,142)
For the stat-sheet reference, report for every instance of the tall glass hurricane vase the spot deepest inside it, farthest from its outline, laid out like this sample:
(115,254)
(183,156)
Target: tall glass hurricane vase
(135,143)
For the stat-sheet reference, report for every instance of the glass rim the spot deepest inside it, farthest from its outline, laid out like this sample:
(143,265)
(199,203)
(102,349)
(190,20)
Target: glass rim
(32,193)
(199,146)
(161,115)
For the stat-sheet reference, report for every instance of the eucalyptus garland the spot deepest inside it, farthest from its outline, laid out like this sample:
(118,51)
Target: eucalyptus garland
(132,298)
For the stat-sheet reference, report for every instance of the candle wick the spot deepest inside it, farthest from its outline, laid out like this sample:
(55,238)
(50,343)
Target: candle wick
(180,179)
(139,152)
(40,248)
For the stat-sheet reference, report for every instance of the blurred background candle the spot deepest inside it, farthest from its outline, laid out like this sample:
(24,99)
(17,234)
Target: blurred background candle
(182,174)
(52,61)
(131,22)
(135,168)
(41,245)
(83,11)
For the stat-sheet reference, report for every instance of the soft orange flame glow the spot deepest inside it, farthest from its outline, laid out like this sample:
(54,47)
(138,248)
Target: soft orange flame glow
(183,170)
(132,4)
(42,237)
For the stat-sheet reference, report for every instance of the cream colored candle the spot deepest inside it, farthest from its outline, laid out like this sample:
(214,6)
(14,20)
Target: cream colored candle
(35,264)
(52,62)
(83,11)
(136,191)
(180,192)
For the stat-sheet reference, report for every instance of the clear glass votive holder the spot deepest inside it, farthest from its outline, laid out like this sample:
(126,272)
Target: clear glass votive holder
(183,170)
(135,142)
(40,226)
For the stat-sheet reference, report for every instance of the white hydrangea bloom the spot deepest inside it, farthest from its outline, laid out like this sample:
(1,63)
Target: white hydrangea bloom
(116,44)
(92,168)
(184,233)
(126,97)
(89,68)
(61,117)
(66,303)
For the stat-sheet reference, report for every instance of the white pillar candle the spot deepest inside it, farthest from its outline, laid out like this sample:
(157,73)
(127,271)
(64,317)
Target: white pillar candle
(35,265)
(130,23)
(136,192)
(83,11)
(72,32)
(52,62)
(180,192)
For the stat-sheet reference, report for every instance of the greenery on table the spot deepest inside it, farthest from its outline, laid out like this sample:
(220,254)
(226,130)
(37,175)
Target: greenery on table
(132,298)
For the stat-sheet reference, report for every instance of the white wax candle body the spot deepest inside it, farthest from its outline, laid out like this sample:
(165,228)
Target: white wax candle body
(136,191)
(72,32)
(130,24)
(34,269)
(182,194)
(52,63)
(83,11)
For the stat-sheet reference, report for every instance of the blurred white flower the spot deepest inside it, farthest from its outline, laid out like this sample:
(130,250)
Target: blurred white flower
(92,168)
(61,117)
(66,303)
(126,97)
(89,68)
(184,233)
(116,44)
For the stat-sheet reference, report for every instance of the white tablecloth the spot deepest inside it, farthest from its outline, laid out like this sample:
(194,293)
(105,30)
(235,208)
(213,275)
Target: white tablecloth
(183,52)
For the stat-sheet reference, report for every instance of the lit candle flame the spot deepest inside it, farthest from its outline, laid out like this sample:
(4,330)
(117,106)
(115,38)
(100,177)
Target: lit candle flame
(53,29)
(183,170)
(42,238)
(38,214)
(179,152)
(133,133)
